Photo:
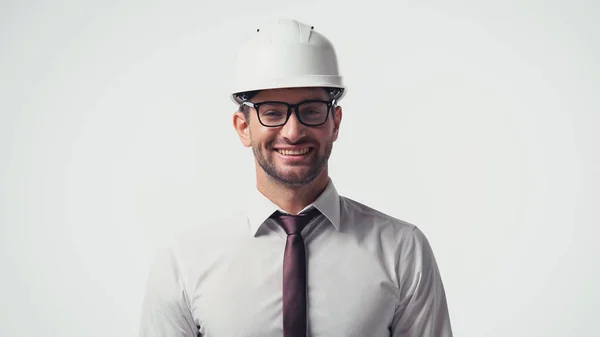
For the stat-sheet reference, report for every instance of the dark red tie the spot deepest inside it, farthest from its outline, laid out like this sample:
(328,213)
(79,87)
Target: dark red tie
(294,272)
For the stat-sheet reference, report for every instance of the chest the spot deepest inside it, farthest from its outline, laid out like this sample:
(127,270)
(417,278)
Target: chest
(349,293)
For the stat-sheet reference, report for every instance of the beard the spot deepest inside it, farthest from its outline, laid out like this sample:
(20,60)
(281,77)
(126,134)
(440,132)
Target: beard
(265,159)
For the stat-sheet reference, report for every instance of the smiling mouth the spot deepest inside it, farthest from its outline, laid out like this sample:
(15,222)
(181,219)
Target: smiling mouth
(294,152)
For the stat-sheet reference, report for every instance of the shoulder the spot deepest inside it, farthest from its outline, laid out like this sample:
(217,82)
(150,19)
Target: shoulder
(369,221)
(364,215)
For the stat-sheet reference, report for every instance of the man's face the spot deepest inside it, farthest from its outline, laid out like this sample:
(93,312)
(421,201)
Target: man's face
(293,154)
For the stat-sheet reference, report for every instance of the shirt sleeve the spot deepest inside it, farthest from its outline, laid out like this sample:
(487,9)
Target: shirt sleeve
(422,310)
(165,309)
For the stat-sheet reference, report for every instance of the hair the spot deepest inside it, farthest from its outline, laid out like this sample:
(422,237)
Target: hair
(243,108)
(246,96)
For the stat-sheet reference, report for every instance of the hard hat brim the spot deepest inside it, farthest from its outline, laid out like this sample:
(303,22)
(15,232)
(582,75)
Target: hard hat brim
(305,81)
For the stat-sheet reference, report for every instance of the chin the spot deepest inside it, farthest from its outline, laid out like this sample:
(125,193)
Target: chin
(299,179)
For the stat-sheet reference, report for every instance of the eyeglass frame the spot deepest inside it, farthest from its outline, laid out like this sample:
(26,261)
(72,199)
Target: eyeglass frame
(330,105)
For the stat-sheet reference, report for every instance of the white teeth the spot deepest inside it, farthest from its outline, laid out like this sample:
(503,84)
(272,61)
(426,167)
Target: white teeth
(298,152)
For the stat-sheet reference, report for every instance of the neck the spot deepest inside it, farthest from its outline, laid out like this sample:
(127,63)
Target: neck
(291,199)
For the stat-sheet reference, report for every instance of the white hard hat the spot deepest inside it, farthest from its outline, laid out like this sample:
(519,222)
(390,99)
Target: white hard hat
(285,54)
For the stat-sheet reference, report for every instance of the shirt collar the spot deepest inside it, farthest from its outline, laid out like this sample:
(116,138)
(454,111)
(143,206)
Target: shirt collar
(259,207)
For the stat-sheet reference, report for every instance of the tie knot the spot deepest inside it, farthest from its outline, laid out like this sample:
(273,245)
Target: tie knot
(293,224)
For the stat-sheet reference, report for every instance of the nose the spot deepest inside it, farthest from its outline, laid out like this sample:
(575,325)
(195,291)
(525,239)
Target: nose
(293,130)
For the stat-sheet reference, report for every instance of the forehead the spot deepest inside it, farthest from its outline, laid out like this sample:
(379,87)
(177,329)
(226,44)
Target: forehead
(291,95)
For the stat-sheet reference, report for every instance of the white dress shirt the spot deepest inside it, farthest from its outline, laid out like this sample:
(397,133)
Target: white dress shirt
(369,275)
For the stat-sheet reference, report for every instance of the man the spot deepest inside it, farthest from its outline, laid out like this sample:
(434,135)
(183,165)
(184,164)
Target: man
(299,259)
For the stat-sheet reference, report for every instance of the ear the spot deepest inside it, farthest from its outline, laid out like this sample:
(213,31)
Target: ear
(337,120)
(242,127)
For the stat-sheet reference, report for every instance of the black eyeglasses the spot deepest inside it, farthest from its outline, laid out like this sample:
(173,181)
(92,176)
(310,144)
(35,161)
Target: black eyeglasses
(275,113)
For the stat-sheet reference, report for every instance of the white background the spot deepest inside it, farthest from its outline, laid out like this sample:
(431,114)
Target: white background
(474,120)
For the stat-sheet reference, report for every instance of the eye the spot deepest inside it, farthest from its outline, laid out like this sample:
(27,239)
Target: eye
(311,111)
(273,113)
